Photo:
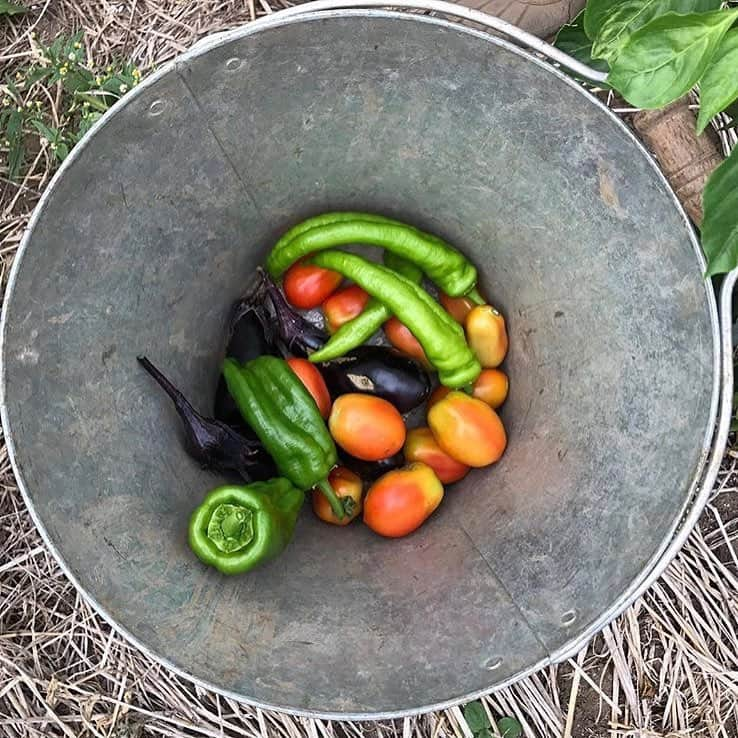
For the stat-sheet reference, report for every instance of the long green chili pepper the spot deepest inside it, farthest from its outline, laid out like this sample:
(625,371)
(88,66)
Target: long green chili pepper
(275,403)
(440,261)
(375,314)
(441,337)
(236,528)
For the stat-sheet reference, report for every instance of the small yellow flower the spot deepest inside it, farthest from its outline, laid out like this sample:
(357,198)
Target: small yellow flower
(19,75)
(38,104)
(19,110)
(53,147)
(77,45)
(136,74)
(109,69)
(63,70)
(98,80)
(123,88)
(33,34)
(6,102)
(6,142)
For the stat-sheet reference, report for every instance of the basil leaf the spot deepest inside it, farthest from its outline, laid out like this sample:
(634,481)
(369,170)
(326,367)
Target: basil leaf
(7,8)
(627,16)
(595,13)
(509,728)
(719,84)
(572,40)
(476,718)
(720,224)
(665,58)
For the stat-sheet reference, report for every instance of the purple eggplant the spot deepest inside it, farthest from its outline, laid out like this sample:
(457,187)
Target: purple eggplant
(213,443)
(369,471)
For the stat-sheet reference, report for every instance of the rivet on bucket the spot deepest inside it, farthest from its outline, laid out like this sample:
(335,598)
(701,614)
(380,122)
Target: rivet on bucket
(495,662)
(157,108)
(233,64)
(569,617)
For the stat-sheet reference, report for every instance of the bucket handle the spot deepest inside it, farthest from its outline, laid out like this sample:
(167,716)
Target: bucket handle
(436,6)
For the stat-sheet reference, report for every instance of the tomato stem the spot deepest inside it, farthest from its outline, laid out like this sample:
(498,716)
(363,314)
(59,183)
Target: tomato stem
(336,505)
(468,388)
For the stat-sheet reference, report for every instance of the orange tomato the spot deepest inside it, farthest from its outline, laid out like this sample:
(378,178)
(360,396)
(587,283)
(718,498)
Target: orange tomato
(467,429)
(366,427)
(491,386)
(343,306)
(399,335)
(306,286)
(402,500)
(314,383)
(486,335)
(348,488)
(457,307)
(420,445)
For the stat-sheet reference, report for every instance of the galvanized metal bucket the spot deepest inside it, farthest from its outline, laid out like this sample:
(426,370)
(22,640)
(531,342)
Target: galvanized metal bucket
(157,221)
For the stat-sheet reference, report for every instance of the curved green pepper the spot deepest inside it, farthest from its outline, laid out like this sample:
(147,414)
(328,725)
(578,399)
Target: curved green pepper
(375,314)
(444,265)
(236,528)
(441,337)
(275,403)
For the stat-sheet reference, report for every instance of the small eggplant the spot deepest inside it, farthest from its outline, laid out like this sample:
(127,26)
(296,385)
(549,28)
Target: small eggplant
(295,334)
(370,470)
(211,442)
(380,371)
(249,336)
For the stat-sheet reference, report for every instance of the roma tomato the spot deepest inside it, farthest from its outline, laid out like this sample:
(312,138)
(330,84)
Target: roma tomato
(457,307)
(348,488)
(491,386)
(421,446)
(399,335)
(314,383)
(366,427)
(467,429)
(306,286)
(402,500)
(486,335)
(343,306)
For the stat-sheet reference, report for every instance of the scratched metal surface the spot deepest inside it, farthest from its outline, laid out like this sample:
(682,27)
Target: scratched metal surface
(158,223)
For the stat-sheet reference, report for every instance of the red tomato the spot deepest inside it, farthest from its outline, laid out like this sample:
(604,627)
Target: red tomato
(343,306)
(421,446)
(457,307)
(367,427)
(399,335)
(402,500)
(346,485)
(306,286)
(314,384)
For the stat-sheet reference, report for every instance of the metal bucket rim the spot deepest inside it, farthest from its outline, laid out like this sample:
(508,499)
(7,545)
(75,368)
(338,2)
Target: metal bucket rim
(667,547)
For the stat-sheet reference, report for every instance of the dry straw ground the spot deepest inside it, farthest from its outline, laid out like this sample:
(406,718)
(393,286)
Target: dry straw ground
(667,667)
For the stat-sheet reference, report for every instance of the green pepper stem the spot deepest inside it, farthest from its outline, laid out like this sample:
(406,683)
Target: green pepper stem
(474,296)
(336,505)
(468,388)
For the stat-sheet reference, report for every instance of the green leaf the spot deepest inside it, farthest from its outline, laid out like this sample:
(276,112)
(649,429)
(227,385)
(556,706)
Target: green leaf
(37,74)
(8,8)
(595,13)
(17,149)
(627,16)
(509,728)
(664,59)
(476,718)
(719,84)
(62,151)
(572,40)
(720,224)
(48,133)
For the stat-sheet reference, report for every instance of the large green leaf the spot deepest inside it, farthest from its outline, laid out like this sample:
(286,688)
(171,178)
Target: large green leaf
(720,224)
(572,40)
(627,16)
(665,58)
(595,13)
(719,84)
(8,8)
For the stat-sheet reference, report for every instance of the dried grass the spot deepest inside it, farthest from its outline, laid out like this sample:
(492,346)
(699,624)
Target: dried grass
(668,667)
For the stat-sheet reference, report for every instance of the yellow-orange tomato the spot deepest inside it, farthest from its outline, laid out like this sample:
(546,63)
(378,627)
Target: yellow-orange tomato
(348,488)
(402,500)
(367,427)
(457,307)
(467,429)
(420,445)
(486,335)
(314,383)
(399,335)
(491,386)
(343,306)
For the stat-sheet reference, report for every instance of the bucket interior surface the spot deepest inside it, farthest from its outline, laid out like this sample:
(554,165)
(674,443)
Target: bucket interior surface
(157,225)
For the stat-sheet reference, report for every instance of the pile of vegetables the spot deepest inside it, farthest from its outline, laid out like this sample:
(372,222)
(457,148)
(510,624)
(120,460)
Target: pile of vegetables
(301,410)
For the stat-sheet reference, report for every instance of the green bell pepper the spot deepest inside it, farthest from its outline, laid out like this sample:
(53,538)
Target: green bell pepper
(236,528)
